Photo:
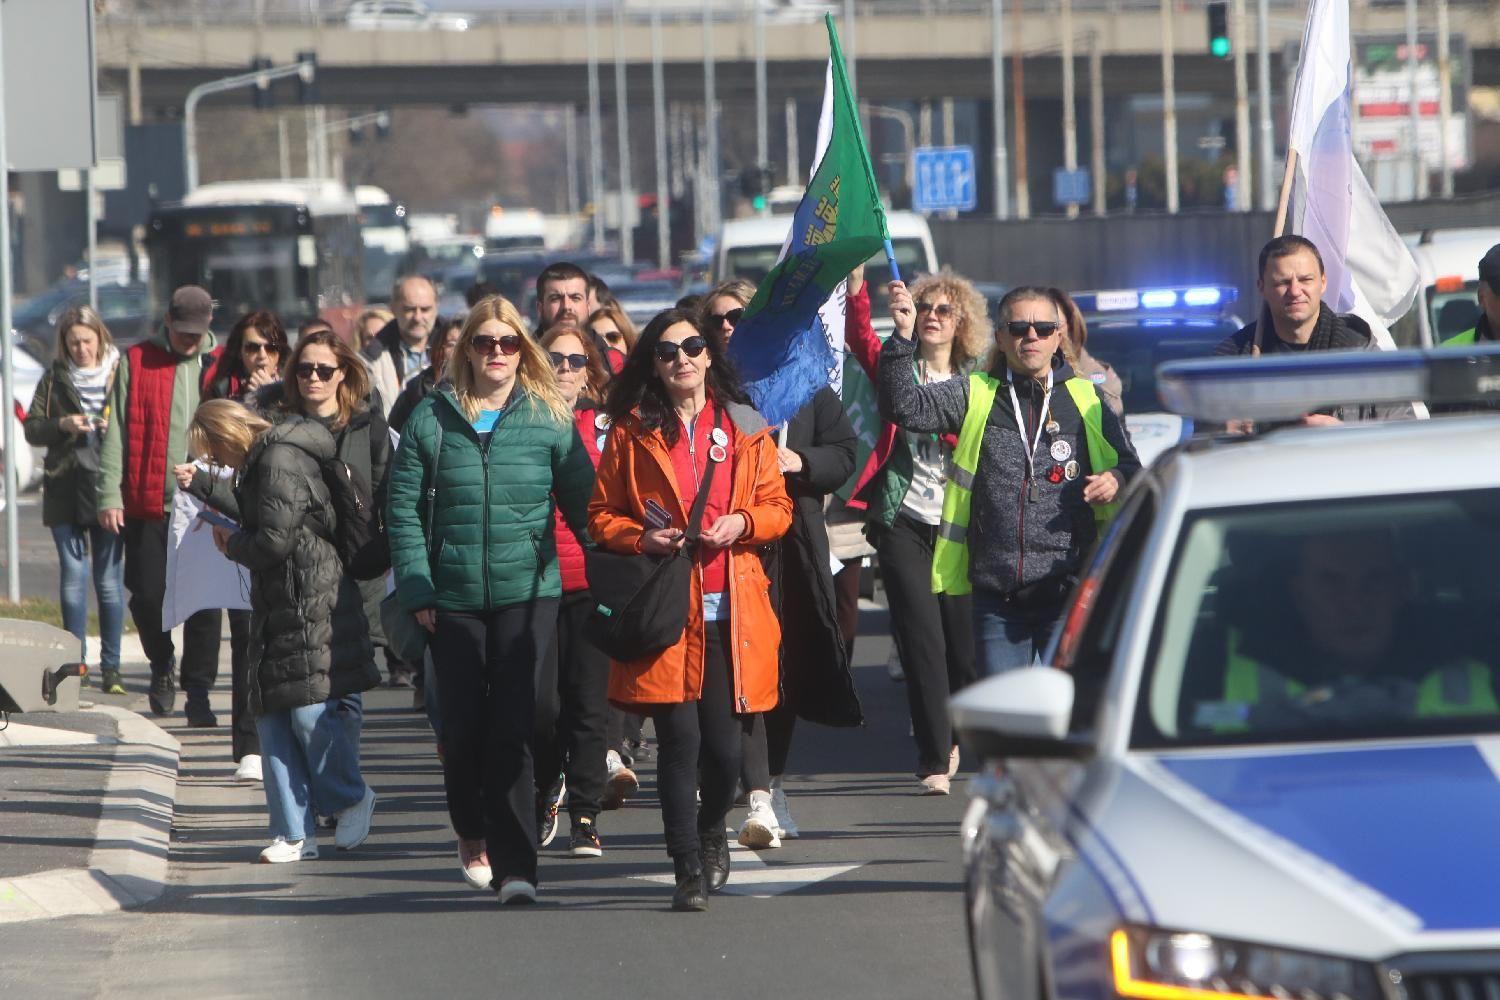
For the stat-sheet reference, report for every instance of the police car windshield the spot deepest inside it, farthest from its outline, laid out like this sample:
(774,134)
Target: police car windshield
(1357,619)
(1133,348)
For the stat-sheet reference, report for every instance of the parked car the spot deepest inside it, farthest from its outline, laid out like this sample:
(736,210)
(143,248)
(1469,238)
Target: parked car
(401,15)
(124,308)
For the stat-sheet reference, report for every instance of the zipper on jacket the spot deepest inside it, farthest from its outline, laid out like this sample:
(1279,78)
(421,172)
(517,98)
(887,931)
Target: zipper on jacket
(1027,482)
(484,462)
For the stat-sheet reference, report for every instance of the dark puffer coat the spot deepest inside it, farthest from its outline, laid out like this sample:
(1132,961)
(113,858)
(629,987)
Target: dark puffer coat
(309,639)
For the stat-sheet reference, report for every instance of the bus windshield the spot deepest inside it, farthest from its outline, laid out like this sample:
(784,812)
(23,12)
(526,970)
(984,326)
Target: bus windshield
(241,273)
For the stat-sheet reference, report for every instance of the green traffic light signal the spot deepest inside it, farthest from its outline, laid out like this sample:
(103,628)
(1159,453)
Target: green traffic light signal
(1219,47)
(1218,29)
(758,203)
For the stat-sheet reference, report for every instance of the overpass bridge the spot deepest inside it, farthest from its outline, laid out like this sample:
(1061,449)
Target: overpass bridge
(906,50)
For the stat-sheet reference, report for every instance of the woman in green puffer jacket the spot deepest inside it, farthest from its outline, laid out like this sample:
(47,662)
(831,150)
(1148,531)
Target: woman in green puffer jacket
(481,575)
(309,641)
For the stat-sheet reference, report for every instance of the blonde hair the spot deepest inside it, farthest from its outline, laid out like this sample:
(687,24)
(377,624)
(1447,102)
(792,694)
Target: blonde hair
(974,335)
(81,315)
(378,312)
(223,431)
(738,289)
(533,372)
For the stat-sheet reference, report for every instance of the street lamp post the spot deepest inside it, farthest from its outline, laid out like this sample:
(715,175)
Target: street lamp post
(190,106)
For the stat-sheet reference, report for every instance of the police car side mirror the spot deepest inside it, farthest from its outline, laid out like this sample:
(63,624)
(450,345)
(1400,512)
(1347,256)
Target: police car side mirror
(1020,713)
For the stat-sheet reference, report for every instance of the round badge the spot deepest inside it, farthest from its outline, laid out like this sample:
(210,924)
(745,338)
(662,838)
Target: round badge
(601,420)
(1061,451)
(1071,470)
(718,437)
(716,453)
(1052,427)
(600,440)
(1055,474)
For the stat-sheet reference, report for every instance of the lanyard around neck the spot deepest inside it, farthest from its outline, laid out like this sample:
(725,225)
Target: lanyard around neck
(1041,423)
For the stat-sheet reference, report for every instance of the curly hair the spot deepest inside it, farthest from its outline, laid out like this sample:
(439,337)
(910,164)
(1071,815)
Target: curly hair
(639,388)
(596,372)
(974,335)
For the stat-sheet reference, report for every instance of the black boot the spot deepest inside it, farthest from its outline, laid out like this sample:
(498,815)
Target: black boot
(715,858)
(691,895)
(163,694)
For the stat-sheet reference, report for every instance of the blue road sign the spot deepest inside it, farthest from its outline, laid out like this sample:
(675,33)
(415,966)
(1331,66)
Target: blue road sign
(944,179)
(1070,187)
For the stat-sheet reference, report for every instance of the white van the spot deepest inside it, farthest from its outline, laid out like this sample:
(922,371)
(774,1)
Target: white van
(1448,260)
(748,249)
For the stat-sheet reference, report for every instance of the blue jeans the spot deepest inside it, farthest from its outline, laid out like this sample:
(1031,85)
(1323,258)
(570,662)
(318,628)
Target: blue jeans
(310,764)
(74,542)
(1008,637)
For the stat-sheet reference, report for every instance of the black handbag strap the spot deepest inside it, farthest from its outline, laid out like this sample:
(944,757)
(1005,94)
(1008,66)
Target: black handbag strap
(695,519)
(437,464)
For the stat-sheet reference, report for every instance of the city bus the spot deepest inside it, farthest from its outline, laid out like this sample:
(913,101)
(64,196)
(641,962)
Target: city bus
(291,246)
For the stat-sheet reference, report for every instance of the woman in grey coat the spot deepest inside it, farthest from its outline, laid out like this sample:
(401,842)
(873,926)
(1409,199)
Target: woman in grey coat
(309,641)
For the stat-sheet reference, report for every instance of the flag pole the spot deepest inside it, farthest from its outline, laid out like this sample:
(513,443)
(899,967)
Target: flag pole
(1286,191)
(890,259)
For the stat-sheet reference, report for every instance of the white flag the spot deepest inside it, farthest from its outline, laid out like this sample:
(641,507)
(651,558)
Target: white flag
(1371,272)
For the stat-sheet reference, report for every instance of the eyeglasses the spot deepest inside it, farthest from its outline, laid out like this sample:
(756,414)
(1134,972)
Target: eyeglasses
(577,362)
(942,310)
(733,316)
(1018,328)
(306,370)
(666,350)
(260,347)
(483,343)
(611,337)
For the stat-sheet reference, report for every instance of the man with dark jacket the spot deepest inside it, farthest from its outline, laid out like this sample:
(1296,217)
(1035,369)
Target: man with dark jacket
(443,340)
(1487,329)
(155,394)
(1295,319)
(399,351)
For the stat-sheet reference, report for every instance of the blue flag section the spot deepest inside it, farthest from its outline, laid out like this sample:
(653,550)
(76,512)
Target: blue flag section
(781,347)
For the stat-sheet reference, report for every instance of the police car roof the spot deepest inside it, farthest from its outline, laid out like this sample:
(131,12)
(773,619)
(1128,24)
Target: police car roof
(1355,460)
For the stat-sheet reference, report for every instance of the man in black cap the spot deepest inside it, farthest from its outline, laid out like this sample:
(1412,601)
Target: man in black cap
(156,391)
(1487,329)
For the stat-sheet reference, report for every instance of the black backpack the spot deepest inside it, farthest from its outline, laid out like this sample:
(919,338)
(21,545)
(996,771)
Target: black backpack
(358,528)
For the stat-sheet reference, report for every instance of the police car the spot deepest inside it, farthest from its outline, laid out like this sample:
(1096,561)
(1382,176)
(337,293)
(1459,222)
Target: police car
(1264,761)
(1135,330)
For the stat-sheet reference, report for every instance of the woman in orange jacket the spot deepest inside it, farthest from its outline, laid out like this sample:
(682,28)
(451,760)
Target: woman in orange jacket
(678,412)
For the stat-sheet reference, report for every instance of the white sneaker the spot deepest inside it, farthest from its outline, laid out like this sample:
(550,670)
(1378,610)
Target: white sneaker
(249,769)
(620,784)
(952,763)
(476,866)
(354,822)
(759,829)
(280,851)
(936,784)
(517,891)
(786,827)
(893,668)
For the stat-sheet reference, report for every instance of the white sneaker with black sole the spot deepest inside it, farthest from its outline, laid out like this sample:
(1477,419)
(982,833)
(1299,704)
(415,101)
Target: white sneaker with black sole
(759,829)
(786,827)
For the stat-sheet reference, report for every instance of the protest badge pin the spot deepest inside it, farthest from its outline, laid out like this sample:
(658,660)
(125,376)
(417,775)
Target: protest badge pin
(716,453)
(719,438)
(1061,451)
(601,420)
(1071,471)
(1053,427)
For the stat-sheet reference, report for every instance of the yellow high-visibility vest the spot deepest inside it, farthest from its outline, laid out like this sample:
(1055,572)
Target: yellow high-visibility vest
(950,556)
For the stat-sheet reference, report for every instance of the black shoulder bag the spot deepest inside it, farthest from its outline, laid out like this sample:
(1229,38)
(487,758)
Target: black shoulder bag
(640,600)
(403,635)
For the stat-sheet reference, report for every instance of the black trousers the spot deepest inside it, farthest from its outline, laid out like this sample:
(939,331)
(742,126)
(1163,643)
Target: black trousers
(244,738)
(768,743)
(146,577)
(934,636)
(577,740)
(622,727)
(490,667)
(699,735)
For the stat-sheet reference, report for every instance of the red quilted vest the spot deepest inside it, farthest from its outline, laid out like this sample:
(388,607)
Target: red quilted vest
(148,428)
(569,552)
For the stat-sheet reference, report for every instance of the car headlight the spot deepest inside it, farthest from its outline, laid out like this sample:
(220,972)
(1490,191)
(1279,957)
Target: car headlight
(1153,964)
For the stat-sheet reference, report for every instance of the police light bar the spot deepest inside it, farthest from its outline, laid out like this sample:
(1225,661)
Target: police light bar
(1287,387)
(1205,297)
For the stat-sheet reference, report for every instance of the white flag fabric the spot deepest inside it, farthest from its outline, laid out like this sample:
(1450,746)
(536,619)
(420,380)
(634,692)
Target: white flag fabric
(198,575)
(1371,272)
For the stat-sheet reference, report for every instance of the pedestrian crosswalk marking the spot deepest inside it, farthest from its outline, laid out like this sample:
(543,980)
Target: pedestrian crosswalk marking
(750,875)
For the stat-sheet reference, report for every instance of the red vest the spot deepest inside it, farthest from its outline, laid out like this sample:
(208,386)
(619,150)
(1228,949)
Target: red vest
(148,429)
(569,552)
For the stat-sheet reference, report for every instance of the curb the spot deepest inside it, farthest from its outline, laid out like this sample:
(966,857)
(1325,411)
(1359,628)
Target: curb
(128,864)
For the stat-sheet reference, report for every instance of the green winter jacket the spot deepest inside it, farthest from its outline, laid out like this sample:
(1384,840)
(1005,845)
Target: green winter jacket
(491,543)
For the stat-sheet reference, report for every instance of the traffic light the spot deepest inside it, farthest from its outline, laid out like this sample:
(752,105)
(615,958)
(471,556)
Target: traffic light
(755,184)
(260,94)
(1218,30)
(307,80)
(383,123)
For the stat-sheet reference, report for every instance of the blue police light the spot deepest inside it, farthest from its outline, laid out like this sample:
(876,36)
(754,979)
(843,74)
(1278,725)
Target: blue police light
(1202,296)
(1158,298)
(1284,388)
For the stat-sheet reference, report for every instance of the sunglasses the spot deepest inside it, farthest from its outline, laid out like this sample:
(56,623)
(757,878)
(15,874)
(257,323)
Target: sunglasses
(577,362)
(306,370)
(942,310)
(733,316)
(261,347)
(1018,328)
(611,337)
(666,350)
(483,343)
